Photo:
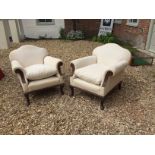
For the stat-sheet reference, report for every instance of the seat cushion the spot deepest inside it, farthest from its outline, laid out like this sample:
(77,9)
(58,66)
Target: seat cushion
(93,73)
(39,71)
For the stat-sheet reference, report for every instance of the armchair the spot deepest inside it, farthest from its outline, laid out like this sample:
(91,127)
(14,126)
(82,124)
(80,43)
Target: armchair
(100,73)
(35,69)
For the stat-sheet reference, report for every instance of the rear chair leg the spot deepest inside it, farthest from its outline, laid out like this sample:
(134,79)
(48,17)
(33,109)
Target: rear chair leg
(61,89)
(72,91)
(120,85)
(102,104)
(27,99)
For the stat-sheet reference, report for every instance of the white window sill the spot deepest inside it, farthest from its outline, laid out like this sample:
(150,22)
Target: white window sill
(44,24)
(133,25)
(117,22)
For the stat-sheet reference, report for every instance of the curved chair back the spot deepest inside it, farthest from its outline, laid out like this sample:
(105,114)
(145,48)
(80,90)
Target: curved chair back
(28,55)
(111,53)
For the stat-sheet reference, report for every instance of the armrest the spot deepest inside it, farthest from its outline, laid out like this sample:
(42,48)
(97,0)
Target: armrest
(113,70)
(16,66)
(18,69)
(118,67)
(82,62)
(54,63)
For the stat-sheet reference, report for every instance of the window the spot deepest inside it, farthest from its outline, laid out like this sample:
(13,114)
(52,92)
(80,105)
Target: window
(118,21)
(45,21)
(132,22)
(106,22)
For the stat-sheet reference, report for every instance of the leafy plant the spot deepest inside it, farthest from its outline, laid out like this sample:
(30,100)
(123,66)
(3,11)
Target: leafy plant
(131,49)
(109,38)
(62,33)
(94,38)
(128,46)
(75,35)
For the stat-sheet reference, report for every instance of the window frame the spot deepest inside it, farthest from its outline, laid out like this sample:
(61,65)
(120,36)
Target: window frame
(45,23)
(131,23)
(118,21)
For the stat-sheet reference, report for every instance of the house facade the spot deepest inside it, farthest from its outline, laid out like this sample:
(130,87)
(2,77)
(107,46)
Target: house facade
(15,30)
(42,28)
(134,31)
(139,32)
(89,27)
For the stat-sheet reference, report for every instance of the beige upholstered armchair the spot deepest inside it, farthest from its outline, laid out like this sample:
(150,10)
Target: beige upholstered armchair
(101,72)
(35,69)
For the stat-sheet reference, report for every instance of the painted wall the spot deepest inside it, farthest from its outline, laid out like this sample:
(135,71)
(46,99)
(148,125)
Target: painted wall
(14,30)
(4,34)
(32,30)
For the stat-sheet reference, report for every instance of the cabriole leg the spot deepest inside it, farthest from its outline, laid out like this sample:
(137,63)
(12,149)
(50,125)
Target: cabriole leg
(120,85)
(27,99)
(102,104)
(61,89)
(72,91)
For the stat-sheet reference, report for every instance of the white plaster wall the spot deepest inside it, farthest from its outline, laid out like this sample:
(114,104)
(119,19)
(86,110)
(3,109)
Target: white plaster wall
(4,34)
(14,29)
(152,42)
(32,30)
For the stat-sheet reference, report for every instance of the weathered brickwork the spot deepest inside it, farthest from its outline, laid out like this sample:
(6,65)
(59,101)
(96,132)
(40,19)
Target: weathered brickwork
(89,27)
(137,36)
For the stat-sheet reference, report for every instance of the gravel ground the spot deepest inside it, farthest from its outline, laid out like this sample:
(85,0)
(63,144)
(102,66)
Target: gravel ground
(130,110)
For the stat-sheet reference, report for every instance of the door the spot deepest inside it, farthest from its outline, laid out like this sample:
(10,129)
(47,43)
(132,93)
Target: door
(152,41)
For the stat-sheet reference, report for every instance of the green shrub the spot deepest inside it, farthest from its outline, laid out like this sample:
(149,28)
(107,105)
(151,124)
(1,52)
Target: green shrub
(94,38)
(131,49)
(100,39)
(62,33)
(75,35)
(109,38)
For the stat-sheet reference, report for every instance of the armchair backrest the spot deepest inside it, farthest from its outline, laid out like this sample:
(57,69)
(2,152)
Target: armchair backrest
(28,55)
(111,53)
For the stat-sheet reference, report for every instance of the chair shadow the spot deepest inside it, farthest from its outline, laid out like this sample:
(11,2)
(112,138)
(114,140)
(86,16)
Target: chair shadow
(45,94)
(130,92)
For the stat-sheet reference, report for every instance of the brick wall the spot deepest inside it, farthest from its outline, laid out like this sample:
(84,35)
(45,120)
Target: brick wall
(89,27)
(137,36)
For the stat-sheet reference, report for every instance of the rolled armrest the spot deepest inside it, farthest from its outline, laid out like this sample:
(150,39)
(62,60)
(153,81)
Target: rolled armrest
(54,63)
(118,67)
(113,70)
(82,62)
(17,68)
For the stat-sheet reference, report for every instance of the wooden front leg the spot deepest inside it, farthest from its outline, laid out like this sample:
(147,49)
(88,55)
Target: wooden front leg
(61,89)
(102,107)
(120,85)
(72,91)
(27,99)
